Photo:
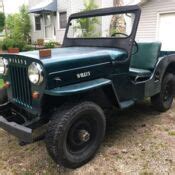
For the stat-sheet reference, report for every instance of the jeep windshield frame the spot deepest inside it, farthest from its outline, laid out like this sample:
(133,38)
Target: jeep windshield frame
(125,43)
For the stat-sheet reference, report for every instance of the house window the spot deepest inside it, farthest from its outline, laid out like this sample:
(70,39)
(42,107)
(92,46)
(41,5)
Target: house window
(37,23)
(63,20)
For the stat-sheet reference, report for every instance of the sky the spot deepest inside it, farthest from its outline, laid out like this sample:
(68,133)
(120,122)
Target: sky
(12,6)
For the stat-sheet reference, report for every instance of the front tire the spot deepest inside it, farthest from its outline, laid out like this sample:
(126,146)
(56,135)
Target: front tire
(163,101)
(75,134)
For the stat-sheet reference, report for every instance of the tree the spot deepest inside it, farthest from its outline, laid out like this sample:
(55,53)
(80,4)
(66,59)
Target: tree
(88,25)
(89,5)
(19,25)
(2,21)
(118,23)
(25,21)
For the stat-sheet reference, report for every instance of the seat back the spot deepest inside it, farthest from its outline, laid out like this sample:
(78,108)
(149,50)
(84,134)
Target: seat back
(147,56)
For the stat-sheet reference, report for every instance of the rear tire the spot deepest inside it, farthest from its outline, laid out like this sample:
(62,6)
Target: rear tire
(163,101)
(75,134)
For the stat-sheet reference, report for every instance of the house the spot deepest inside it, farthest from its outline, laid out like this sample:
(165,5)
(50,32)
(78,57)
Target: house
(158,23)
(44,19)
(49,19)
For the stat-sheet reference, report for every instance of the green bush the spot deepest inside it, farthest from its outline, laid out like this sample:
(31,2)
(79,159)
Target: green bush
(28,48)
(88,25)
(19,27)
(20,44)
(1,44)
(2,21)
(1,83)
(49,45)
(8,43)
(12,43)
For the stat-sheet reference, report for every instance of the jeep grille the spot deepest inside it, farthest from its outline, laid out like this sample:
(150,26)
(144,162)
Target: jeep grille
(20,84)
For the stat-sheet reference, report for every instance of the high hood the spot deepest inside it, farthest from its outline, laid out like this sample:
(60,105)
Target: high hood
(73,57)
(71,65)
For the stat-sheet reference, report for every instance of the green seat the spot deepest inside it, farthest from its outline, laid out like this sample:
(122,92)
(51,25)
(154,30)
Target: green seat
(140,72)
(143,62)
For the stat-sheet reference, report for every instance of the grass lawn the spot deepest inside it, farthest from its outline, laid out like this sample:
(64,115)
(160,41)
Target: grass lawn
(1,83)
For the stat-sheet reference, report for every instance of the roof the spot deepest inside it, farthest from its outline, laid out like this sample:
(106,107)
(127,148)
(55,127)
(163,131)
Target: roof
(45,7)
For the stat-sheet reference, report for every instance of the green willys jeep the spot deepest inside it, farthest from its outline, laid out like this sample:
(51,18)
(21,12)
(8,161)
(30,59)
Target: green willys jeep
(100,66)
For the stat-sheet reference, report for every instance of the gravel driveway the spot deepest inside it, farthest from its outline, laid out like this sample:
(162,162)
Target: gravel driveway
(138,141)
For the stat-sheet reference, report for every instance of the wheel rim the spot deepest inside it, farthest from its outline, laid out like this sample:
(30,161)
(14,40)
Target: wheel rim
(168,93)
(81,135)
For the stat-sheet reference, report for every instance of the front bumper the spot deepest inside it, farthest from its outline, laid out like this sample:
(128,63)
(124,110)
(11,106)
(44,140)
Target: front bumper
(22,132)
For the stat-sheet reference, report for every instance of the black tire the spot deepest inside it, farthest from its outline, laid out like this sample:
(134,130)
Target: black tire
(163,101)
(75,133)
(3,96)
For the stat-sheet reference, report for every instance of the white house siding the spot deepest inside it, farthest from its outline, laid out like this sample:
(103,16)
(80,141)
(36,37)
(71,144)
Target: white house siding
(149,23)
(71,6)
(63,6)
(35,34)
(40,34)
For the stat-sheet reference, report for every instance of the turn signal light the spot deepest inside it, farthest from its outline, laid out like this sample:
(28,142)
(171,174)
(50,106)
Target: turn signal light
(6,85)
(35,95)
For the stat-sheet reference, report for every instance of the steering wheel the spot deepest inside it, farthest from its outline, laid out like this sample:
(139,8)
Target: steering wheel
(135,43)
(118,33)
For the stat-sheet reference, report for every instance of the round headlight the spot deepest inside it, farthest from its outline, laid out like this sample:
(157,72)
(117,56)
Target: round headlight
(3,66)
(35,73)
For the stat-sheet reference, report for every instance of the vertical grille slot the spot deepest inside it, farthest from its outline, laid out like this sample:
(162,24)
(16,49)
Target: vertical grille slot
(21,87)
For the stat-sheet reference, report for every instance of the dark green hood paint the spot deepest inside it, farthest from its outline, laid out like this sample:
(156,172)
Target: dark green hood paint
(66,63)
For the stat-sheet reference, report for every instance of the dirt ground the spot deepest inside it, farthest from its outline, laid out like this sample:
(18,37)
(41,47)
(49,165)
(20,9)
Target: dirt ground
(138,141)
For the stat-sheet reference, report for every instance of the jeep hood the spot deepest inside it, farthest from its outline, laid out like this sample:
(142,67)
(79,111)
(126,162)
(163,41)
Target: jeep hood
(74,64)
(71,65)
(73,57)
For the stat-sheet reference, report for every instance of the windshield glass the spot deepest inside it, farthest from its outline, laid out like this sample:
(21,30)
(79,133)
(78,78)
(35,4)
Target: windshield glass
(117,25)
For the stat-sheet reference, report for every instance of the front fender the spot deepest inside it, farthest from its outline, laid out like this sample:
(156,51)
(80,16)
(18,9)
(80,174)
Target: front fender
(87,86)
(78,88)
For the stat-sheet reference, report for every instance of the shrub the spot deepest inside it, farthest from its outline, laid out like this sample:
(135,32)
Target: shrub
(20,44)
(1,44)
(1,83)
(8,43)
(19,26)
(28,48)
(2,21)
(51,44)
(88,25)
(12,43)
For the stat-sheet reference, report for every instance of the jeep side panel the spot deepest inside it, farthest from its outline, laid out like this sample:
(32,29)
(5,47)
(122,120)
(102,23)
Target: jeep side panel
(152,86)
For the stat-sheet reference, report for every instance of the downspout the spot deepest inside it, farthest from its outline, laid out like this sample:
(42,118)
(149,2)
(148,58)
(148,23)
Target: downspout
(44,26)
